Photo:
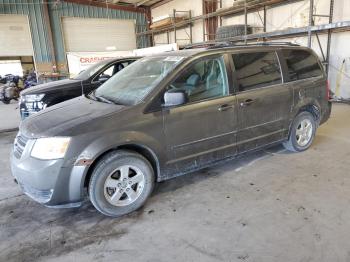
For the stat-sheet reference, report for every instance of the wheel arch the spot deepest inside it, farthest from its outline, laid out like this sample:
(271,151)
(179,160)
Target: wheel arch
(311,106)
(143,150)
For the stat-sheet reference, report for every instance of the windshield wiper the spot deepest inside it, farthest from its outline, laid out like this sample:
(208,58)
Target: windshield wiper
(107,100)
(103,99)
(92,96)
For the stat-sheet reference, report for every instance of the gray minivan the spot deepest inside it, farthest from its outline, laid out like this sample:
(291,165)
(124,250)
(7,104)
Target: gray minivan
(167,115)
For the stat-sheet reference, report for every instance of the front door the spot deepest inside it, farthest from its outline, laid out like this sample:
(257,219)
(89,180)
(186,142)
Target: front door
(263,100)
(204,129)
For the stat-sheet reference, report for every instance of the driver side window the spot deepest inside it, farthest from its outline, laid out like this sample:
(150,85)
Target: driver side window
(106,74)
(110,71)
(202,80)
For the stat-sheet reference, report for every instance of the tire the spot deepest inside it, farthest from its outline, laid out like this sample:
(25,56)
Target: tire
(6,101)
(224,32)
(300,138)
(109,178)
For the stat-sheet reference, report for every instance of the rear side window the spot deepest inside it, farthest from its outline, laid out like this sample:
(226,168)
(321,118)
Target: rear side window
(256,70)
(301,64)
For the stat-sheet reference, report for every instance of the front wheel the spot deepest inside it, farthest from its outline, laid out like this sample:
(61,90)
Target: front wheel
(6,101)
(120,183)
(302,133)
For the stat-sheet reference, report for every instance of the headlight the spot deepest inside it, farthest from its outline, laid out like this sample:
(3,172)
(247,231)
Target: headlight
(50,148)
(33,98)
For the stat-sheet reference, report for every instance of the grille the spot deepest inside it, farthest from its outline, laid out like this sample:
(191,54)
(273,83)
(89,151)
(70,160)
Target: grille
(19,146)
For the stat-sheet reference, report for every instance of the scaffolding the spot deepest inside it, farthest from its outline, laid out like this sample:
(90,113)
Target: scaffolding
(210,24)
(244,7)
(173,27)
(238,8)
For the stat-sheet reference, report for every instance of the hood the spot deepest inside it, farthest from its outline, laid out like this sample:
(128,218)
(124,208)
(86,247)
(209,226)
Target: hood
(51,86)
(62,118)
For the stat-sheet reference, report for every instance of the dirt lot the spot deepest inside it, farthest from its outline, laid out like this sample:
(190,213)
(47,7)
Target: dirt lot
(269,206)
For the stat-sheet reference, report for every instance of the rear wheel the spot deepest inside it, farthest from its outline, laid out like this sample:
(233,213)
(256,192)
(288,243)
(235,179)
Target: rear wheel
(121,183)
(302,133)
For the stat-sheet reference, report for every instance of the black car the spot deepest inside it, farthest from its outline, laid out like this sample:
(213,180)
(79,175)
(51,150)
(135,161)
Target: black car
(39,97)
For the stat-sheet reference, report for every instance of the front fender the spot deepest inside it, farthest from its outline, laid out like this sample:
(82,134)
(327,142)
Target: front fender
(111,141)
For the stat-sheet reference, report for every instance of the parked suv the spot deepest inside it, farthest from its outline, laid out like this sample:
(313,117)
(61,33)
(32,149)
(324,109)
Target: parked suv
(39,97)
(167,115)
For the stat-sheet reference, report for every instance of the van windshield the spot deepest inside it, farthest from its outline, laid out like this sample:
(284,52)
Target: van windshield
(131,85)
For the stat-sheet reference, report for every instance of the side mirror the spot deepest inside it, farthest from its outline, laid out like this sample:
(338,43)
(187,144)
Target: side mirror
(103,79)
(175,98)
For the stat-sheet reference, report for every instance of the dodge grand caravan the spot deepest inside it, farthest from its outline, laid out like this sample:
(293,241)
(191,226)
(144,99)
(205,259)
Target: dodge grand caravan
(167,115)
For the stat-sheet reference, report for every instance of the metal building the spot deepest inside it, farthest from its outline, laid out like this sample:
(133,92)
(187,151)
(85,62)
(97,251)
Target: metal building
(46,31)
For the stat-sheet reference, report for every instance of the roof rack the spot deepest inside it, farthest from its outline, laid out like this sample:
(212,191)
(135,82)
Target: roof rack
(232,44)
(214,45)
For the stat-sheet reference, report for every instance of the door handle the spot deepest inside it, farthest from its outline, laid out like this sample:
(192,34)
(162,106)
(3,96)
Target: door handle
(246,102)
(225,107)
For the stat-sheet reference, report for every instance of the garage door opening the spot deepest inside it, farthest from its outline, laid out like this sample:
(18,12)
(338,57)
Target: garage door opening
(19,66)
(98,35)
(15,36)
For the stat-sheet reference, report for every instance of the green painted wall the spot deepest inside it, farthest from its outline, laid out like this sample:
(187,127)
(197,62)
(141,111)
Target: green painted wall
(38,29)
(34,10)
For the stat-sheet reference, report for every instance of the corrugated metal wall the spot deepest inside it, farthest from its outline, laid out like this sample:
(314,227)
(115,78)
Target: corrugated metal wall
(39,30)
(65,9)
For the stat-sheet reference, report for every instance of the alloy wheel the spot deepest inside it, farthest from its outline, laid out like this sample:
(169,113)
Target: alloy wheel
(124,185)
(304,132)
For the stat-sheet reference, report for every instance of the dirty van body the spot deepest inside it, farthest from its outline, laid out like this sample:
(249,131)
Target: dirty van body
(37,98)
(168,115)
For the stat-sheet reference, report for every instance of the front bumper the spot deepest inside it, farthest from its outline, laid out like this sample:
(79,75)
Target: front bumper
(48,182)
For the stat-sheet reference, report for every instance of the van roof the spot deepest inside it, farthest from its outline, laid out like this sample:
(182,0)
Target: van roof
(224,47)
